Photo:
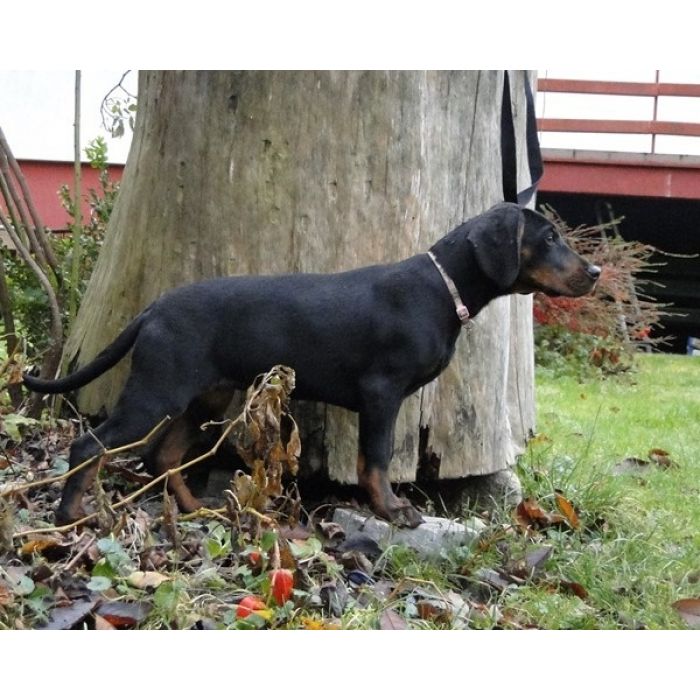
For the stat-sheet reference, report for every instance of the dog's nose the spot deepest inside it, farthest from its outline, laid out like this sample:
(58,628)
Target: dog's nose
(593,271)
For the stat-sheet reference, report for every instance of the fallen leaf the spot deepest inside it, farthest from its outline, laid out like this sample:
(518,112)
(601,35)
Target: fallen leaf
(40,544)
(287,558)
(331,530)
(566,508)
(310,623)
(304,550)
(146,579)
(99,583)
(298,532)
(102,624)
(334,597)
(535,559)
(532,562)
(124,615)
(689,610)
(530,514)
(662,458)
(69,617)
(575,588)
(356,560)
(434,610)
(19,579)
(6,596)
(391,620)
(493,579)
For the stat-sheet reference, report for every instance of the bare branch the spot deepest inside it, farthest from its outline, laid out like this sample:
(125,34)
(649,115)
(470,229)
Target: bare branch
(39,229)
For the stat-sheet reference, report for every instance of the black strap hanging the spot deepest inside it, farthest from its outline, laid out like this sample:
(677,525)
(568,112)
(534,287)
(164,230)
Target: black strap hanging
(508,148)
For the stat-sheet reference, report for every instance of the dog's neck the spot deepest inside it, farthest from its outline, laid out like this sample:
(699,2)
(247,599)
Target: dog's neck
(455,254)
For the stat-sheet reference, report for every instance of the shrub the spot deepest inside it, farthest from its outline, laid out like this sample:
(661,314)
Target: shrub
(598,333)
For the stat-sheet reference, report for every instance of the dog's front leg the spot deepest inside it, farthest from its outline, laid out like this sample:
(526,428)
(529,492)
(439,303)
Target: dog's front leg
(376,447)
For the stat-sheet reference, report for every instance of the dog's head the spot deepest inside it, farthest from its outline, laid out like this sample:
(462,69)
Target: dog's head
(521,251)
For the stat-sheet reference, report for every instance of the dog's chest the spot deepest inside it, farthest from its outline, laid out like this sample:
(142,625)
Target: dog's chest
(433,369)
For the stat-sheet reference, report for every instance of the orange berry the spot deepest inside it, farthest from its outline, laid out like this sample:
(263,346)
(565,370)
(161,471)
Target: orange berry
(249,605)
(282,581)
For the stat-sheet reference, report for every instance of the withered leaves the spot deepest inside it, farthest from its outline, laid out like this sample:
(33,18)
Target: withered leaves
(689,610)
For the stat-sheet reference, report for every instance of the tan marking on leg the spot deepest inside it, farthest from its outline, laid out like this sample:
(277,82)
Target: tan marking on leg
(170,453)
(72,509)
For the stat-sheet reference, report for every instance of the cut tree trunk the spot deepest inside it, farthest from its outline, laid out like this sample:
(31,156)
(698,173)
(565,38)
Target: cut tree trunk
(271,172)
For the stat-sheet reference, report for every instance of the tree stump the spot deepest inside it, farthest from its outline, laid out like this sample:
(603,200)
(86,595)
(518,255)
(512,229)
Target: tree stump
(270,172)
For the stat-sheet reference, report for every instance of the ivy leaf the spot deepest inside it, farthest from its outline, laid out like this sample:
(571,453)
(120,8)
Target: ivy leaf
(99,583)
(14,424)
(304,550)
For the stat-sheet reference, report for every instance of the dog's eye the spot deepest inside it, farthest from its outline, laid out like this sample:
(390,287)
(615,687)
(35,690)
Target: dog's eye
(550,239)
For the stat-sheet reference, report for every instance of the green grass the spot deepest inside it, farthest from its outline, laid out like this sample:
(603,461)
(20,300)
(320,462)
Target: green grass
(639,546)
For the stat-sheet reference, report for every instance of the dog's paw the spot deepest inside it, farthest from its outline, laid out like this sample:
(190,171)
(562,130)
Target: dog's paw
(66,516)
(399,511)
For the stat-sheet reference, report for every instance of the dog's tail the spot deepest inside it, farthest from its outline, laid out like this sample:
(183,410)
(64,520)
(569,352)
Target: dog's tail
(106,359)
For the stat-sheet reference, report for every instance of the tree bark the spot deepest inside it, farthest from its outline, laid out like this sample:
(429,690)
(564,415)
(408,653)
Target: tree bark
(270,172)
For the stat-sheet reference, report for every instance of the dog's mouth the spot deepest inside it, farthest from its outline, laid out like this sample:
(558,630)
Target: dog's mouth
(582,282)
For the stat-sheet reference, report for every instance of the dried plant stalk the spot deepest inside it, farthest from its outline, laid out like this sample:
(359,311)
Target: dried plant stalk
(619,309)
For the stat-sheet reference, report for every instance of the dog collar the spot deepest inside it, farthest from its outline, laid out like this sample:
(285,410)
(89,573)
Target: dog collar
(460,306)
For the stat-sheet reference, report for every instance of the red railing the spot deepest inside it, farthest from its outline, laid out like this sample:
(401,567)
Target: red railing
(652,127)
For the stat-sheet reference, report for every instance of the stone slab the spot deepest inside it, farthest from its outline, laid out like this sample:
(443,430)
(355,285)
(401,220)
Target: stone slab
(430,539)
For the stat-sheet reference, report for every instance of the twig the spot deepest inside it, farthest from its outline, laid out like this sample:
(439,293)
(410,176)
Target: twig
(44,249)
(77,253)
(57,528)
(12,490)
(17,210)
(176,470)
(106,101)
(79,555)
(203,513)
(263,518)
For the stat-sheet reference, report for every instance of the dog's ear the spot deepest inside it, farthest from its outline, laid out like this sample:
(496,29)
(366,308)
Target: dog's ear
(496,236)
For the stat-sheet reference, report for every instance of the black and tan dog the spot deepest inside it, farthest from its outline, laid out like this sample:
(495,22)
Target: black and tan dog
(363,339)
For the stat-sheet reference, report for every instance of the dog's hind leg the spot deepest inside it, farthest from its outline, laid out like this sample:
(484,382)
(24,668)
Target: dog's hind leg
(134,417)
(185,432)
(168,455)
(70,508)
(118,430)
